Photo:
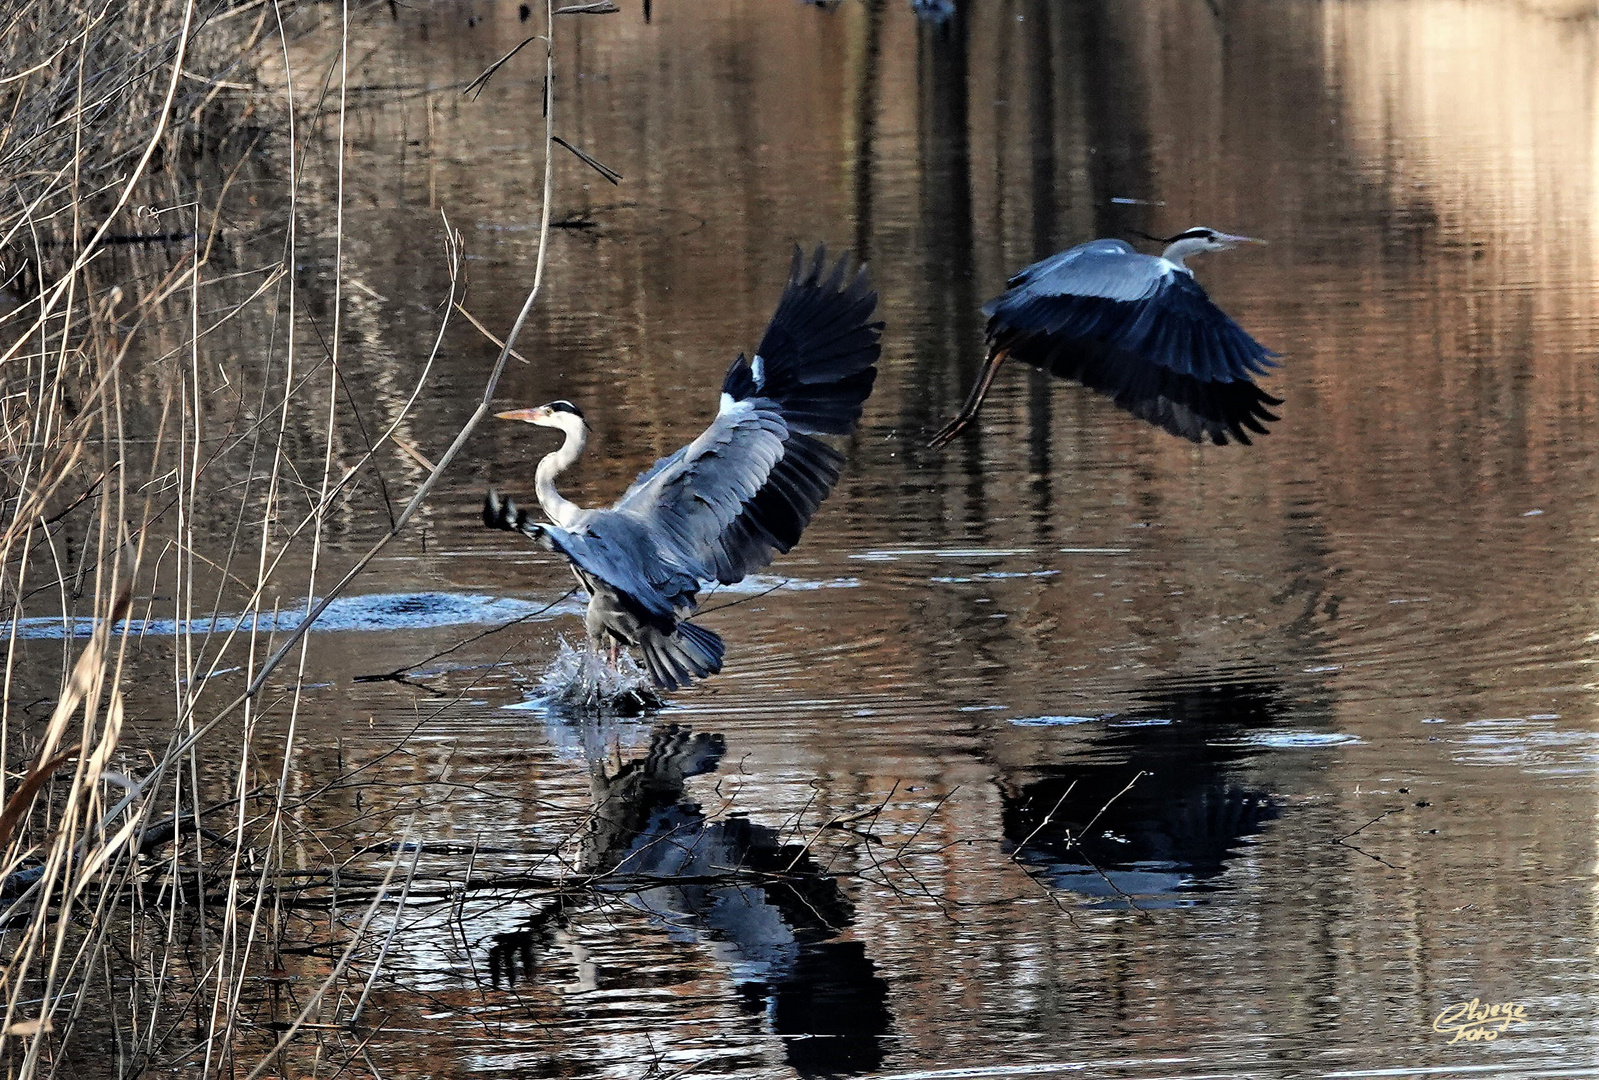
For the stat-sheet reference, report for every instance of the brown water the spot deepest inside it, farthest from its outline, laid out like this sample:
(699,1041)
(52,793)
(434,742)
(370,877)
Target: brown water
(1379,619)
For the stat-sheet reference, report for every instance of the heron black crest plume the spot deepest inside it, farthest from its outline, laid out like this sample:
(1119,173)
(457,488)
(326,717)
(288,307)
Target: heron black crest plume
(726,504)
(1186,234)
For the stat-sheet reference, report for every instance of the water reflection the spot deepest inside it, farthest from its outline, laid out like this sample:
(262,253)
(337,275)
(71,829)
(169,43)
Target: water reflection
(1158,803)
(760,904)
(937,12)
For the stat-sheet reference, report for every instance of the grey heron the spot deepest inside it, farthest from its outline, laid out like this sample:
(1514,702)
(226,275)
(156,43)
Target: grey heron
(1137,328)
(724,505)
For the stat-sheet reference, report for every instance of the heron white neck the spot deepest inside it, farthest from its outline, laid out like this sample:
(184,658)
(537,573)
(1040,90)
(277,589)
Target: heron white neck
(560,510)
(1179,250)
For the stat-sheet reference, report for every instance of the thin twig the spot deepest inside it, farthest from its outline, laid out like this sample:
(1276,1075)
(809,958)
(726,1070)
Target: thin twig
(588,159)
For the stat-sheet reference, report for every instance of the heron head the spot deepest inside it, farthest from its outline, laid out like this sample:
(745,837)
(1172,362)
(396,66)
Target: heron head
(1197,241)
(1201,238)
(557,414)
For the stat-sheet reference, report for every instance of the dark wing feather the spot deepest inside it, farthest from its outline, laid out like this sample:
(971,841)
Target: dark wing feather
(817,357)
(744,491)
(1194,409)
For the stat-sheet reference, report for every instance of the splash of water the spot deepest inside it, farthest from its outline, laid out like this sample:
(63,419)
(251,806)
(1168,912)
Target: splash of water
(580,679)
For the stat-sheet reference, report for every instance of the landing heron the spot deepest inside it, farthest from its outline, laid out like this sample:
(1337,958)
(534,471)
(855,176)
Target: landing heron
(724,505)
(1137,328)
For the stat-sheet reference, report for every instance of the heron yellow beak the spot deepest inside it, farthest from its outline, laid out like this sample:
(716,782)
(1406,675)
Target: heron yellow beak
(527,416)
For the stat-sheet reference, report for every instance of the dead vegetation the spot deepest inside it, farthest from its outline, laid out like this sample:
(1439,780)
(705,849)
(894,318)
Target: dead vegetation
(176,439)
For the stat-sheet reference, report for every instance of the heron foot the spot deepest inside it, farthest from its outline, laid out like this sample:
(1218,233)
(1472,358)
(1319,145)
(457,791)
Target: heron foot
(974,400)
(949,431)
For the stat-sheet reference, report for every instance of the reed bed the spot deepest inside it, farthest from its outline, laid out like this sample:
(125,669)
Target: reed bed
(176,439)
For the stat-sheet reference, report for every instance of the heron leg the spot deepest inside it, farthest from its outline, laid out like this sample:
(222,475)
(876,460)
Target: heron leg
(616,652)
(974,400)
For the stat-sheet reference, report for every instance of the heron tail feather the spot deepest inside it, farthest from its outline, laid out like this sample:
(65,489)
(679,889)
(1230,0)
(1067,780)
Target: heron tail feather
(675,660)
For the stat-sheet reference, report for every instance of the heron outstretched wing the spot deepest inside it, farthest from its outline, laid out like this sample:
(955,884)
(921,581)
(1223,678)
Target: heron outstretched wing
(745,489)
(1140,305)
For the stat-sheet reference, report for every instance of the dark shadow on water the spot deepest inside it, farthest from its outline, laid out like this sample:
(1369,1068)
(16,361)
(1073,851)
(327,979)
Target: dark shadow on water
(761,905)
(1191,806)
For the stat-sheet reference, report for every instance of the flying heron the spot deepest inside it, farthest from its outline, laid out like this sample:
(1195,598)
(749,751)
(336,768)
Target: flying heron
(725,504)
(1137,328)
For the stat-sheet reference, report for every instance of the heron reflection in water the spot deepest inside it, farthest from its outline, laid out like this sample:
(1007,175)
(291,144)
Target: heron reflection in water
(760,905)
(727,503)
(1156,806)
(1137,328)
